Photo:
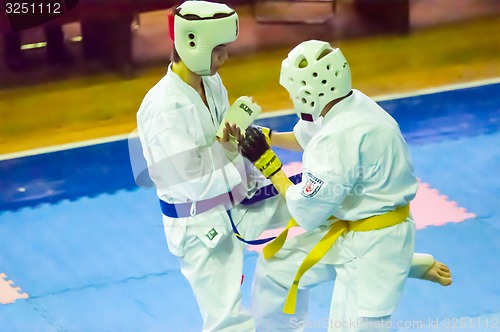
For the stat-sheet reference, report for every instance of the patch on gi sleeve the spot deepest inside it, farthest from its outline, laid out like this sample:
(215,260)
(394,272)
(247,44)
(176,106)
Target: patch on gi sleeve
(312,185)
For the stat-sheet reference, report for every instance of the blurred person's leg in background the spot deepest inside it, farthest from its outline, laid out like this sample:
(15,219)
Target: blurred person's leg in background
(56,52)
(13,57)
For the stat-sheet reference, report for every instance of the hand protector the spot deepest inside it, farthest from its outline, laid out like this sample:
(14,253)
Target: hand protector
(266,131)
(255,148)
(242,113)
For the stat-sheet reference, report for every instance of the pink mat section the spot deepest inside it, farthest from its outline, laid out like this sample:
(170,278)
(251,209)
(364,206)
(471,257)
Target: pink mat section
(8,293)
(429,208)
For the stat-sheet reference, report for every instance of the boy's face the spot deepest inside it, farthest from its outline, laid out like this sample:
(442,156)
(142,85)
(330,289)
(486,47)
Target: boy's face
(219,56)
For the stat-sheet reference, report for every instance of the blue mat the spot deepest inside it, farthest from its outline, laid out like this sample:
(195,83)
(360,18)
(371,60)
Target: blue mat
(88,245)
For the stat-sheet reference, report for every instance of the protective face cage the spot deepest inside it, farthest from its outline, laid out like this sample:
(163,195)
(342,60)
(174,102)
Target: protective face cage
(197,27)
(315,73)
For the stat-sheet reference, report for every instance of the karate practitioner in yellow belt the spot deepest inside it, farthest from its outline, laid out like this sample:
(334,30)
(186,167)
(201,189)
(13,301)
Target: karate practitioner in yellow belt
(353,200)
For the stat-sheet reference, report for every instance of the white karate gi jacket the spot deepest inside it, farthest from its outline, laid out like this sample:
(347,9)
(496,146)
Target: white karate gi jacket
(178,136)
(356,164)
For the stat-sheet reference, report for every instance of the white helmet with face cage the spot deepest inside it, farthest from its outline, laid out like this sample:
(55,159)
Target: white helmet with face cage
(315,73)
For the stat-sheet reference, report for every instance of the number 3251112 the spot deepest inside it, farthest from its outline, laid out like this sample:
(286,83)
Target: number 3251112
(33,8)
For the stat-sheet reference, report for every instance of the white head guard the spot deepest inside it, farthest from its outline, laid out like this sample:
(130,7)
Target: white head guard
(199,27)
(315,73)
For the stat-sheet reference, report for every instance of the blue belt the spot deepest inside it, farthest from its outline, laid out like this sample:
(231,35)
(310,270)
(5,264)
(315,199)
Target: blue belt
(184,210)
(269,191)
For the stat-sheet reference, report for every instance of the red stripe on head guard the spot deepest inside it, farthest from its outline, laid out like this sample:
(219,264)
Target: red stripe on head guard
(170,17)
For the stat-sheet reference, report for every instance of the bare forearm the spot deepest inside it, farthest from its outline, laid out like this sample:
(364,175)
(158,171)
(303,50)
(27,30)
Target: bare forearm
(285,141)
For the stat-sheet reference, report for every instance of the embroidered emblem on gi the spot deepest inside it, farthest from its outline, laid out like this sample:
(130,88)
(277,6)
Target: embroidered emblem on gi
(211,234)
(312,185)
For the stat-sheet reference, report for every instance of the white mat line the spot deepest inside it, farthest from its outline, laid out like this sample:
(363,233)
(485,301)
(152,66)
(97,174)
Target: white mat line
(62,147)
(265,115)
(409,94)
(443,88)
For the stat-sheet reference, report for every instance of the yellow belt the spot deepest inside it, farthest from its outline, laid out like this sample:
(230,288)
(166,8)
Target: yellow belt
(323,246)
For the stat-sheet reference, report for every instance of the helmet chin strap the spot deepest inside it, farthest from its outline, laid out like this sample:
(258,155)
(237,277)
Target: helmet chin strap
(326,109)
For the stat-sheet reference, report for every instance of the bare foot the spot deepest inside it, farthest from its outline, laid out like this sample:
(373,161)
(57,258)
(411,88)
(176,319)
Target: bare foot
(439,273)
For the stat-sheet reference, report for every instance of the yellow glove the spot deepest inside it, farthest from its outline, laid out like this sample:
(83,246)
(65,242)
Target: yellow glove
(268,164)
(255,147)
